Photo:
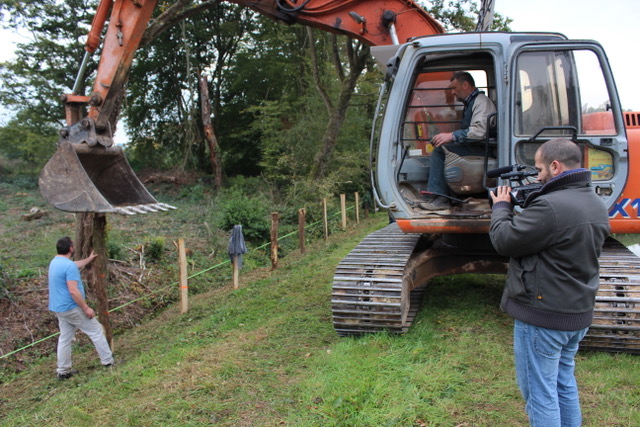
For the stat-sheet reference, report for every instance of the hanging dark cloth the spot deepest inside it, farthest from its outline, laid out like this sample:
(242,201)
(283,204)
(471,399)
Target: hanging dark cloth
(236,244)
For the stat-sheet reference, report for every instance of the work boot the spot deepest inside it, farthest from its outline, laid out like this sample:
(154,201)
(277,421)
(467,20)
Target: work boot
(114,363)
(438,203)
(67,375)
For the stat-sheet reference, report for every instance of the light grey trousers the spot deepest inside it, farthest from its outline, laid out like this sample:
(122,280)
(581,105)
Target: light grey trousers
(69,322)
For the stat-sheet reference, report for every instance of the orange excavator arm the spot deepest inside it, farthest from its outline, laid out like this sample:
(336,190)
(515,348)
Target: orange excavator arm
(88,173)
(375,22)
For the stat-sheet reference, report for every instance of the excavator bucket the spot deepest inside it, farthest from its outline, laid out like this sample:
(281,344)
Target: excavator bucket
(80,178)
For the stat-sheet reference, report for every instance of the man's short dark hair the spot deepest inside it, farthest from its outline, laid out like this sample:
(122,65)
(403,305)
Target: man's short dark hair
(463,76)
(63,246)
(563,150)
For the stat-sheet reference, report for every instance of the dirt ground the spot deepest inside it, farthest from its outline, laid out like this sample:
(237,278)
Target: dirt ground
(25,318)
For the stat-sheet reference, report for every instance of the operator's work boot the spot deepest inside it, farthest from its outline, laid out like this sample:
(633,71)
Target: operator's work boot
(438,203)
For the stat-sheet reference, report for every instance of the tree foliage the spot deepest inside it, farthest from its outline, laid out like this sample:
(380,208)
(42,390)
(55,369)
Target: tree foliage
(290,104)
(462,15)
(162,107)
(43,69)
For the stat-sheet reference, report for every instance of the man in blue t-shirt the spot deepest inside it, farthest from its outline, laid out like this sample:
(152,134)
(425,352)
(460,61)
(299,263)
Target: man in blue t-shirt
(67,301)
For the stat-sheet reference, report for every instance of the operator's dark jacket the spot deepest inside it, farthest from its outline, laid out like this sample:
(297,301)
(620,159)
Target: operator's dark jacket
(554,245)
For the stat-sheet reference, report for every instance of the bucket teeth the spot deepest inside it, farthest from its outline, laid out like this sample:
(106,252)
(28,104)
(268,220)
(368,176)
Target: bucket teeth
(139,209)
(124,211)
(143,209)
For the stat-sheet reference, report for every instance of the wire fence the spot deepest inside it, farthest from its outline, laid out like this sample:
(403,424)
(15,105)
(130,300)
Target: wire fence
(206,270)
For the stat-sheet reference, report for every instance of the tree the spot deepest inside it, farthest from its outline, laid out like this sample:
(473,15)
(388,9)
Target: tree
(462,15)
(357,56)
(261,93)
(163,110)
(42,70)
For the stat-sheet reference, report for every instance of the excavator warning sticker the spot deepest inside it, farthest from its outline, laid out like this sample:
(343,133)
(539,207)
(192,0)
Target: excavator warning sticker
(625,208)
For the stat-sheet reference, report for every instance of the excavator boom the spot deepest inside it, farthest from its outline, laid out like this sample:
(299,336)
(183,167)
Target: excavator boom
(89,174)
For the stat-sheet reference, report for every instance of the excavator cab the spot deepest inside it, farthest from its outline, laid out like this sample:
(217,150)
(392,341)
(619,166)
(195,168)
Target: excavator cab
(543,85)
(426,108)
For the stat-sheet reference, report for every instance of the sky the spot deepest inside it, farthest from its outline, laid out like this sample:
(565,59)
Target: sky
(613,23)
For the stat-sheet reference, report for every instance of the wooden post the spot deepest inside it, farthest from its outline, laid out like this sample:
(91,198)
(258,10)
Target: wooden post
(324,219)
(274,240)
(357,196)
(343,208)
(236,272)
(90,232)
(184,286)
(100,273)
(301,221)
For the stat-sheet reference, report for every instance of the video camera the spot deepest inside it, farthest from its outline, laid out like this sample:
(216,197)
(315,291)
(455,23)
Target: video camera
(516,174)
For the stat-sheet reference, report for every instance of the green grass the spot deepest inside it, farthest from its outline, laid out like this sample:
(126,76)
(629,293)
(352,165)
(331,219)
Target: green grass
(267,354)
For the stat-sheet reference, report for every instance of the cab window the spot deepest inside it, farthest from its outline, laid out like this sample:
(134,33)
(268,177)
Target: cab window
(432,109)
(560,90)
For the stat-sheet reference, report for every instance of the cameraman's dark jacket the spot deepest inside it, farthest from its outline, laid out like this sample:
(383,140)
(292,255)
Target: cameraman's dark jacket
(554,245)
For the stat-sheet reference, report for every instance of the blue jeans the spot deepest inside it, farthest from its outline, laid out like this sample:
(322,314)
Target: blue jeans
(437,183)
(545,365)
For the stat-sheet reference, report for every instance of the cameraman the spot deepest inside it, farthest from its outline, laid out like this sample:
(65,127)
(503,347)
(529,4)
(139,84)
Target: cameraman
(554,245)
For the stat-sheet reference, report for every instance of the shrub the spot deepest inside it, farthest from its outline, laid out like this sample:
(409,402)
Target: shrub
(251,212)
(114,251)
(155,249)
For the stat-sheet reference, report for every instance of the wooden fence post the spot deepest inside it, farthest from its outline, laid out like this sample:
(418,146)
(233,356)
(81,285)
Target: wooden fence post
(343,208)
(99,267)
(301,221)
(236,272)
(274,240)
(357,196)
(324,219)
(184,286)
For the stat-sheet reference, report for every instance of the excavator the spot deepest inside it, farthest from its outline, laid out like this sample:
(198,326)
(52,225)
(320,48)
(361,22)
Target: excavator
(544,86)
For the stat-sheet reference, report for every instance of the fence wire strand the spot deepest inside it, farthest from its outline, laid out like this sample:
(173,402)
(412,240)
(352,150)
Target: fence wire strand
(150,294)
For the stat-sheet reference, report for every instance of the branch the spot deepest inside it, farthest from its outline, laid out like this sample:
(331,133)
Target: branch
(315,72)
(177,12)
(336,57)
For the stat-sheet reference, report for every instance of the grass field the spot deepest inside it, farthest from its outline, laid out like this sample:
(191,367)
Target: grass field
(267,355)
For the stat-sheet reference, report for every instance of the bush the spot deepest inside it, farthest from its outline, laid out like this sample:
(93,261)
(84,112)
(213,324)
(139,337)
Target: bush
(114,251)
(155,249)
(250,211)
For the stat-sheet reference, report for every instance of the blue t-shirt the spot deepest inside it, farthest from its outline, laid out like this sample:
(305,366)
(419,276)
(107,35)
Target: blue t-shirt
(62,269)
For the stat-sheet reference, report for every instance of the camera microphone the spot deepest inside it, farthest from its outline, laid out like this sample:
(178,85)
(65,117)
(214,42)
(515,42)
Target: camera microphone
(495,173)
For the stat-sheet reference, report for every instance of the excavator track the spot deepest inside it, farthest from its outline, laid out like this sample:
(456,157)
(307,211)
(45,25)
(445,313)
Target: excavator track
(616,319)
(368,285)
(371,282)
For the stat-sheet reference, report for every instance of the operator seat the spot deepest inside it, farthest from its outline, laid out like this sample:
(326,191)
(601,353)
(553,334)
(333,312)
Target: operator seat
(466,175)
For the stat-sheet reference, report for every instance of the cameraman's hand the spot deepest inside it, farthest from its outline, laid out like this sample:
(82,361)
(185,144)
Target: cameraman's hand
(502,194)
